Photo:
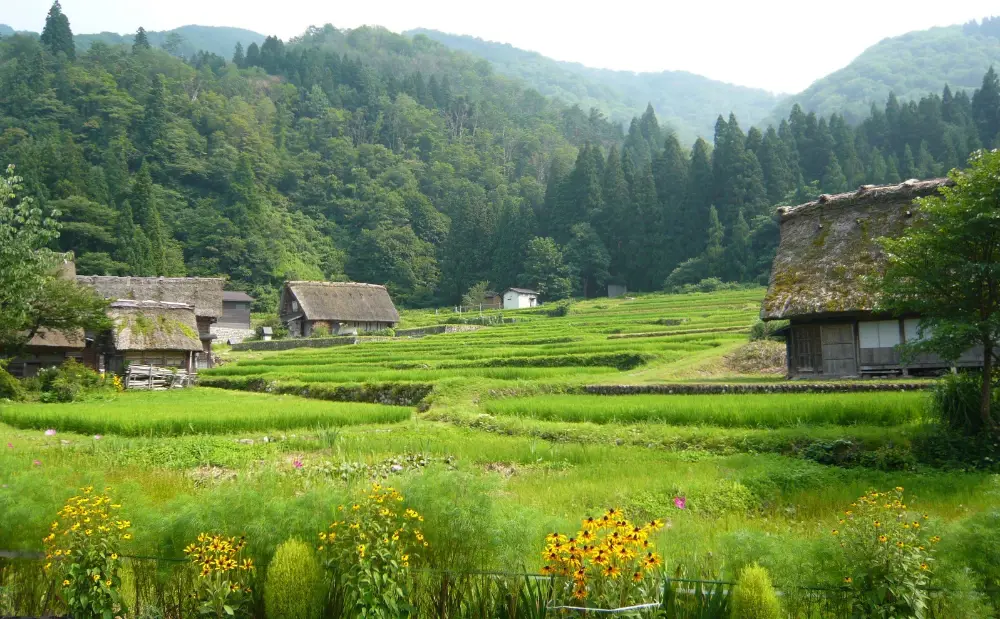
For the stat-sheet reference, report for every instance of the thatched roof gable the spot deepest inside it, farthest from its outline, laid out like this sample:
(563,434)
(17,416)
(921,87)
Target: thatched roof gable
(828,246)
(343,301)
(154,325)
(46,338)
(202,293)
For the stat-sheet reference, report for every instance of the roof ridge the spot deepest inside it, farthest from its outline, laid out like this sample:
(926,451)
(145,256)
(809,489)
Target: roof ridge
(911,186)
(333,284)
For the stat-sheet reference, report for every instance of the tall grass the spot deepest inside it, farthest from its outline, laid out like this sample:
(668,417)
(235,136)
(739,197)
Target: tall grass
(195,411)
(728,411)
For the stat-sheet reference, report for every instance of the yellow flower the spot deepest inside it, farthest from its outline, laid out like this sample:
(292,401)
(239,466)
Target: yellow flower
(848,579)
(66,583)
(882,539)
(923,566)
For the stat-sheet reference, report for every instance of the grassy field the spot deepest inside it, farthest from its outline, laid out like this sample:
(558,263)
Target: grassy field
(503,451)
(727,411)
(196,411)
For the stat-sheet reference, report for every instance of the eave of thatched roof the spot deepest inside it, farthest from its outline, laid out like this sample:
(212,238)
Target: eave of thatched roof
(46,338)
(828,247)
(202,293)
(154,325)
(343,301)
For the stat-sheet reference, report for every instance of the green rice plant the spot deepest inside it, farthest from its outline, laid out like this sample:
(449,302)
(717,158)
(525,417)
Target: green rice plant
(295,587)
(195,411)
(728,411)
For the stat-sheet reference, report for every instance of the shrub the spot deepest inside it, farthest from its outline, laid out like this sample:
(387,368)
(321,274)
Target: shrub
(558,311)
(610,560)
(754,596)
(886,554)
(369,553)
(279,330)
(82,553)
(71,381)
(387,332)
(955,403)
(294,588)
(221,588)
(761,330)
(10,387)
(320,331)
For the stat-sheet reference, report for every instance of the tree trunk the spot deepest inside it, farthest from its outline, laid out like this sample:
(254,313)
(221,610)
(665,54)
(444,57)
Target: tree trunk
(986,394)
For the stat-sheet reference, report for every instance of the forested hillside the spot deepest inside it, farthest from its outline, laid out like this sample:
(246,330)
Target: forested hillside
(688,103)
(910,66)
(185,41)
(366,155)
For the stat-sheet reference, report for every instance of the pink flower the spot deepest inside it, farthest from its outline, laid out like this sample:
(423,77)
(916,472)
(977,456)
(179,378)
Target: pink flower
(36,462)
(297,463)
(98,437)
(50,432)
(10,445)
(680,502)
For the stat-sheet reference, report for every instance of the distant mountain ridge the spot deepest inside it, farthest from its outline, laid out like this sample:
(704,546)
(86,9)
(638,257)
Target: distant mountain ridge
(689,103)
(218,40)
(911,65)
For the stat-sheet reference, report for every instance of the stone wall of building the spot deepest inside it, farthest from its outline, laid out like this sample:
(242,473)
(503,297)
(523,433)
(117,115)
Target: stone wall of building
(224,334)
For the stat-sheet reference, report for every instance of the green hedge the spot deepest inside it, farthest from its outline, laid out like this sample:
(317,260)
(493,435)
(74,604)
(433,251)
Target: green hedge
(397,394)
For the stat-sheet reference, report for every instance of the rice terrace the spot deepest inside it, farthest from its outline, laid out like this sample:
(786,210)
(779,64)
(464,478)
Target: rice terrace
(499,436)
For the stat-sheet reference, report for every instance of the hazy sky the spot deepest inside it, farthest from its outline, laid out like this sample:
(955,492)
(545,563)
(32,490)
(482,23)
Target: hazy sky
(779,45)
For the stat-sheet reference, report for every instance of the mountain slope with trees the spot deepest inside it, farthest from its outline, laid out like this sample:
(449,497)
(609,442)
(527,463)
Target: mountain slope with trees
(910,66)
(686,102)
(366,155)
(185,41)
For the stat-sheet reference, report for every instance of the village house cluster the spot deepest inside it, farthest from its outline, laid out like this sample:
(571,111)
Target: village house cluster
(171,322)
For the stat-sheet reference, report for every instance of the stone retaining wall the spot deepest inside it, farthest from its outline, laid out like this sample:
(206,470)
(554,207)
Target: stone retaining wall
(397,394)
(435,329)
(308,342)
(224,334)
(746,388)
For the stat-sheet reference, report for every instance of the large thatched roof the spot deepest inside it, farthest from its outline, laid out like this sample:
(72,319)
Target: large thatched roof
(343,301)
(154,325)
(203,293)
(828,246)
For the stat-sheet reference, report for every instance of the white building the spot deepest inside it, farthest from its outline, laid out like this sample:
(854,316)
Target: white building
(519,298)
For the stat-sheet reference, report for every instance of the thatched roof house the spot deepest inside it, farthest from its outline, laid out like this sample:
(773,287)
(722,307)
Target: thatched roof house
(818,281)
(204,294)
(340,307)
(152,333)
(153,325)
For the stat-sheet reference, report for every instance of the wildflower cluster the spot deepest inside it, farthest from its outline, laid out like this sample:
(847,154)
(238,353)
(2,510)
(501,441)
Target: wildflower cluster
(370,548)
(82,551)
(222,587)
(887,553)
(610,560)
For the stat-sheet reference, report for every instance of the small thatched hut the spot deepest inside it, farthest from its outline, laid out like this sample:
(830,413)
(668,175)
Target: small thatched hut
(203,294)
(340,307)
(827,249)
(47,348)
(151,333)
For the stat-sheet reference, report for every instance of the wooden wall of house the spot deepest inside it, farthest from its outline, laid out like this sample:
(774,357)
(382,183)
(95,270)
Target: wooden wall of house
(35,359)
(845,347)
(235,315)
(838,348)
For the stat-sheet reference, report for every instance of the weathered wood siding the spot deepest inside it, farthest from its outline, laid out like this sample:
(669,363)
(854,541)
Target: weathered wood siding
(838,346)
(235,314)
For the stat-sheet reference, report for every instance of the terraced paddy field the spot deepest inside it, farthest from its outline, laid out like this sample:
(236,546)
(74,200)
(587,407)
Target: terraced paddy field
(505,447)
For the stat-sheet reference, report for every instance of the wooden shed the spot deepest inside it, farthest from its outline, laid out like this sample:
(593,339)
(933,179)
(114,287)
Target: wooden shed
(821,282)
(156,333)
(339,307)
(203,294)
